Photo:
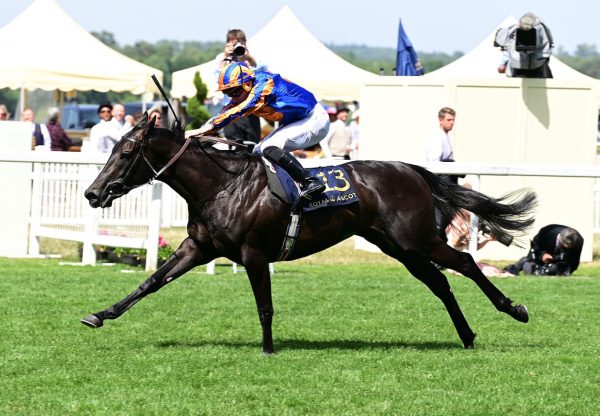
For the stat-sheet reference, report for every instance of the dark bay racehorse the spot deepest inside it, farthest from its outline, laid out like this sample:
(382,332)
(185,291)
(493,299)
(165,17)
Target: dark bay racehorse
(233,214)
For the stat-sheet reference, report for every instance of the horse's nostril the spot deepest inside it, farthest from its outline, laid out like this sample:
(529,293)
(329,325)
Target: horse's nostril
(90,195)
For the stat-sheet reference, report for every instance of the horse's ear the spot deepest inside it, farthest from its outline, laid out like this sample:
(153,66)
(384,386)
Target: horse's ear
(152,121)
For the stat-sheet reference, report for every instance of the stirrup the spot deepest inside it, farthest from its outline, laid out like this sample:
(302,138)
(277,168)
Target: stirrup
(310,193)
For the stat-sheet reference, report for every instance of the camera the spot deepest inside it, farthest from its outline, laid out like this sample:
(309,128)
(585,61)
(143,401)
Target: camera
(239,49)
(560,268)
(560,257)
(526,40)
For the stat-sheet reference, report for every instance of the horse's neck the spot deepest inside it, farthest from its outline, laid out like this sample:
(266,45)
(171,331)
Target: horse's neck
(201,175)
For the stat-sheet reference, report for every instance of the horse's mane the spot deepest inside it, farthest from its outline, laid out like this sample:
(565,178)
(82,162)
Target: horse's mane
(177,134)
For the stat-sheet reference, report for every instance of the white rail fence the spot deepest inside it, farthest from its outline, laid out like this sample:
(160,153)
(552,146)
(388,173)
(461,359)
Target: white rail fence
(59,209)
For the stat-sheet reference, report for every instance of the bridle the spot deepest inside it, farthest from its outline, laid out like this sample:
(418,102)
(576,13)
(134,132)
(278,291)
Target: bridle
(118,188)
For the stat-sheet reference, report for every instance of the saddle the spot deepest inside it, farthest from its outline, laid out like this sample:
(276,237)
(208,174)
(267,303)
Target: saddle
(339,190)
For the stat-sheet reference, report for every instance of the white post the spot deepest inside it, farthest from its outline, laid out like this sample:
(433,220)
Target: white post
(474,223)
(153,228)
(36,210)
(88,255)
(166,219)
(90,229)
(210,267)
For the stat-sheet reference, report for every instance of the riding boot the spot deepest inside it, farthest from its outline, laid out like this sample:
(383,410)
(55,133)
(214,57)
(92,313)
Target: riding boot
(309,185)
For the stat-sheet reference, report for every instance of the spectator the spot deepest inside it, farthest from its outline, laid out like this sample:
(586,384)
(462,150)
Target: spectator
(157,113)
(526,48)
(555,250)
(4,114)
(340,139)
(459,237)
(109,129)
(325,150)
(439,149)
(38,131)
(59,139)
(354,132)
(123,122)
(100,140)
(247,129)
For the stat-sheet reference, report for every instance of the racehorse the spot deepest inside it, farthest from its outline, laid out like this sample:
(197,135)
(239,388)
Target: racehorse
(233,214)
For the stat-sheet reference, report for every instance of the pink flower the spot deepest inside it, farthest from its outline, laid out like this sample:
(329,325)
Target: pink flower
(162,242)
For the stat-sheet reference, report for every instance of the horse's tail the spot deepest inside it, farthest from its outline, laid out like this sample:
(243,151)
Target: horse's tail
(506,217)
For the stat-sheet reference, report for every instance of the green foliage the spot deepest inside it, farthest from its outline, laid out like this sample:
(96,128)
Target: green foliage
(10,98)
(164,251)
(196,110)
(350,340)
(377,59)
(585,59)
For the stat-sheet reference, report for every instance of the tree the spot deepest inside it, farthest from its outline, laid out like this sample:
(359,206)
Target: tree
(195,105)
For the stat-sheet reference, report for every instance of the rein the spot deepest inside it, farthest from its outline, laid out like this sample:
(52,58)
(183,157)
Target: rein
(169,163)
(118,187)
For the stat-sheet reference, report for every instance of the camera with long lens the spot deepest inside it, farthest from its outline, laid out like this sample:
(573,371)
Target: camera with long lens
(239,49)
(502,239)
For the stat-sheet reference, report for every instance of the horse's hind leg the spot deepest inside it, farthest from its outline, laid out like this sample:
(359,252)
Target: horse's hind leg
(187,256)
(423,270)
(463,263)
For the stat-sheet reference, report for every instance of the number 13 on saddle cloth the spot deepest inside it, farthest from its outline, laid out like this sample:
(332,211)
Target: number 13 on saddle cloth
(339,190)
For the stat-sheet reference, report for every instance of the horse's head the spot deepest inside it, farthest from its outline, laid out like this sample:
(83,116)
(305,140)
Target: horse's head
(125,169)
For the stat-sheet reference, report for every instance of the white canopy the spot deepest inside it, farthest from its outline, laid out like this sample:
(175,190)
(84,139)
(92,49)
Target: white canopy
(288,48)
(44,48)
(483,61)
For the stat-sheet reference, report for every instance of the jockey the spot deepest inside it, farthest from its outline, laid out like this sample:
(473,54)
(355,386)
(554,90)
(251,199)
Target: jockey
(303,122)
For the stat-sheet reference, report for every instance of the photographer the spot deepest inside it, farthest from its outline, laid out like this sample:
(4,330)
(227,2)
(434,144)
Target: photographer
(527,47)
(555,250)
(246,129)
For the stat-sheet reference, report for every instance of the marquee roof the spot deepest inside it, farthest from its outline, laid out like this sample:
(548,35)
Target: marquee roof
(45,48)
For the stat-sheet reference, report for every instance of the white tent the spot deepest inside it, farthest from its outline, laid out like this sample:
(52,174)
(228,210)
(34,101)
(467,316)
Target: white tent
(483,61)
(288,48)
(44,48)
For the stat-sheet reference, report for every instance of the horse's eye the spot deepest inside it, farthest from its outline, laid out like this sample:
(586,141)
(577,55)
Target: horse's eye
(127,148)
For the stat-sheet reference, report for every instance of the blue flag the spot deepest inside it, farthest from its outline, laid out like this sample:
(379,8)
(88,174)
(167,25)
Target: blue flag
(407,61)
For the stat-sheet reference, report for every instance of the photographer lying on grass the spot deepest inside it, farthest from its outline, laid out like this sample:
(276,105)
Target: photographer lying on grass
(555,251)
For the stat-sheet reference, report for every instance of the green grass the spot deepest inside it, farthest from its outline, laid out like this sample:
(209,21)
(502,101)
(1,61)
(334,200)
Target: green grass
(351,339)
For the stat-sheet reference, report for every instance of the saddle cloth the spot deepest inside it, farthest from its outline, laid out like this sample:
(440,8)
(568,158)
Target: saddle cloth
(339,189)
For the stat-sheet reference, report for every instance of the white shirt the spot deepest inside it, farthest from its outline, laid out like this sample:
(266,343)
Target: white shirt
(105,134)
(439,147)
(45,134)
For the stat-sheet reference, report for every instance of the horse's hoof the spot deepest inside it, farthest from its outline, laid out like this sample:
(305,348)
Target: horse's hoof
(469,342)
(92,321)
(520,313)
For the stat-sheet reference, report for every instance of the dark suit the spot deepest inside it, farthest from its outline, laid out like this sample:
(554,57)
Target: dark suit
(545,242)
(245,129)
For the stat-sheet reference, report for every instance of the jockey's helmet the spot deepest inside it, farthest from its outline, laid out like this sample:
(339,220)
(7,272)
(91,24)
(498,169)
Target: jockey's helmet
(235,75)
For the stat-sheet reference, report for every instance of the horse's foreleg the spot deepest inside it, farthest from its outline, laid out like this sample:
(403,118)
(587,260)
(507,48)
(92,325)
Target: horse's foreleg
(423,270)
(257,268)
(464,264)
(186,257)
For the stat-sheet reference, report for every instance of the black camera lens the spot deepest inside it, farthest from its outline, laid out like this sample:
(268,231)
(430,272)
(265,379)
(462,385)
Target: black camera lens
(239,49)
